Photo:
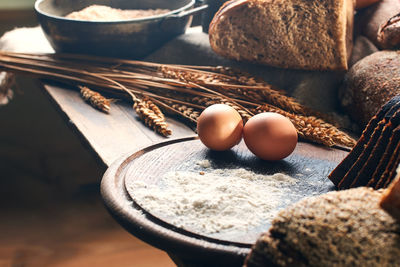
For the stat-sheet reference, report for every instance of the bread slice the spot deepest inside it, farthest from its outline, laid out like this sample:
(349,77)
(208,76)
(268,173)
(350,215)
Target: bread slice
(365,175)
(340,171)
(299,34)
(386,157)
(368,163)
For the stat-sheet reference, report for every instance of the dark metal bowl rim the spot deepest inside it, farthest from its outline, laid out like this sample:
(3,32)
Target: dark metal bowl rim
(144,19)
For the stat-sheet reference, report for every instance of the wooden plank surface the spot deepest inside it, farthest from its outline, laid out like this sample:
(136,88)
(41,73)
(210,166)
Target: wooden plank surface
(110,135)
(46,218)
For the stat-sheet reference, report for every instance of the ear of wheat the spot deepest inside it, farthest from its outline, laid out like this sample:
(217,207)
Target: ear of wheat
(155,89)
(95,99)
(151,115)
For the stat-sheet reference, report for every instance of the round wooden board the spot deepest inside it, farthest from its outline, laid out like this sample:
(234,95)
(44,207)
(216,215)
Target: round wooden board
(310,164)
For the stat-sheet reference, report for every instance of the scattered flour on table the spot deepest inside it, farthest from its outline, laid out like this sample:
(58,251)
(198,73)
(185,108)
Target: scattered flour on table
(215,200)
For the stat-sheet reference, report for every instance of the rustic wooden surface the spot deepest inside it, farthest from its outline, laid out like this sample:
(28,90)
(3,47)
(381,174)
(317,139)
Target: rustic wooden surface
(112,135)
(310,164)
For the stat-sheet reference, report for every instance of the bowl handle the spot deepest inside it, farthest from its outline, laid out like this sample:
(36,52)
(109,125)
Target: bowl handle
(189,12)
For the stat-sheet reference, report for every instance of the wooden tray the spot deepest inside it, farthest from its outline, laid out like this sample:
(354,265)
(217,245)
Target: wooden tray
(310,163)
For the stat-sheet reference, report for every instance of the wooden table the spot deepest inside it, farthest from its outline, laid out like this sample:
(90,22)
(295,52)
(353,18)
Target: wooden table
(110,136)
(119,133)
(107,136)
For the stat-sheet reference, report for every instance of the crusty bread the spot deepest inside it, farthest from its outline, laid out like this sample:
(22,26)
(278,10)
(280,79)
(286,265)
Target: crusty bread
(344,228)
(369,84)
(391,199)
(373,160)
(299,34)
(369,20)
(365,144)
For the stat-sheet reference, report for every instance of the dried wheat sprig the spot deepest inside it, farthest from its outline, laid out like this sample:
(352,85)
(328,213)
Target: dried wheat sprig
(153,107)
(95,99)
(187,111)
(150,118)
(146,110)
(205,101)
(93,71)
(240,76)
(209,74)
(186,75)
(239,85)
(7,80)
(189,75)
(75,77)
(313,129)
(168,106)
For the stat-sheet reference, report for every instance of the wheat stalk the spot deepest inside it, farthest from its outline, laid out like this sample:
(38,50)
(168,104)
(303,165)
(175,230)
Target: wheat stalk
(177,89)
(205,101)
(95,99)
(187,111)
(7,80)
(236,83)
(313,129)
(153,107)
(148,112)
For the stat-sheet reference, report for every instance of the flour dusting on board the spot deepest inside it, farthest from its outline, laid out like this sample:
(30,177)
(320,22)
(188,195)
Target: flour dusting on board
(211,201)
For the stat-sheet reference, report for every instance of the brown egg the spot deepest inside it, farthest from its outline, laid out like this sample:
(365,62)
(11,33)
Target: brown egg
(270,136)
(220,127)
(365,3)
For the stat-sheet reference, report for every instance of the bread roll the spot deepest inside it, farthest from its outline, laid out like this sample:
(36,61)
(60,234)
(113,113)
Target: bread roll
(369,84)
(299,34)
(364,3)
(368,20)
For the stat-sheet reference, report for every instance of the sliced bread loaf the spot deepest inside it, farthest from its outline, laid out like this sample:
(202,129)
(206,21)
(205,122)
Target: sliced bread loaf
(299,34)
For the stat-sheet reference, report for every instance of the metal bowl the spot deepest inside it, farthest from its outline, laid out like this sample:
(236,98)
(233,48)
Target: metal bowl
(133,38)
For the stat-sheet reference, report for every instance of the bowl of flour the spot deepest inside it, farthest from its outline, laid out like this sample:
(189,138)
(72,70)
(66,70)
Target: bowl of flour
(210,206)
(117,28)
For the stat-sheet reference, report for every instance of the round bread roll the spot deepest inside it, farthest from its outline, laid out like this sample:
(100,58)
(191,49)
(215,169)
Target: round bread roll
(368,20)
(365,3)
(369,84)
(341,228)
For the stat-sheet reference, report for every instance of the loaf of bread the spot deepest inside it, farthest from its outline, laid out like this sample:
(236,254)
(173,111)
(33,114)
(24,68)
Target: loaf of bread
(369,20)
(344,228)
(369,84)
(389,33)
(298,34)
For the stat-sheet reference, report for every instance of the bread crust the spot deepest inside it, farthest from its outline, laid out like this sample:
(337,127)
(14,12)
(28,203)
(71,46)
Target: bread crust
(345,228)
(369,84)
(298,34)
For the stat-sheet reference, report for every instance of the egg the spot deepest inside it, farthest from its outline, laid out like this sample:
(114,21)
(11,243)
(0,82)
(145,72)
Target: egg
(270,136)
(220,127)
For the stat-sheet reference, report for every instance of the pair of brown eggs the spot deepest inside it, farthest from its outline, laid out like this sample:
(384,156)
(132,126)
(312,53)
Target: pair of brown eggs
(269,136)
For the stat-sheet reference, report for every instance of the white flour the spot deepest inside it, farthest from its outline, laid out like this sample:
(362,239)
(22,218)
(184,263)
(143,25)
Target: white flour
(106,13)
(214,200)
